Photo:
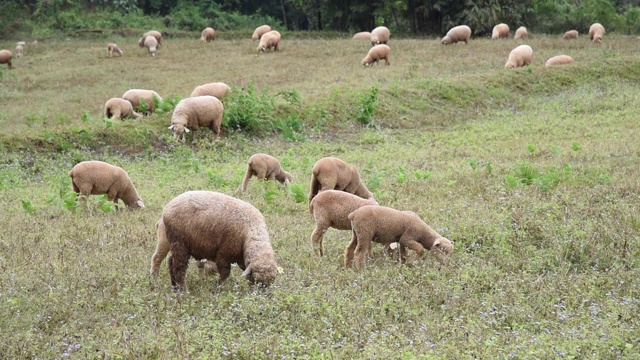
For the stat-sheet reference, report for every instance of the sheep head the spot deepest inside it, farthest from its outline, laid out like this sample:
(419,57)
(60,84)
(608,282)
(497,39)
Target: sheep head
(446,40)
(262,272)
(179,129)
(441,248)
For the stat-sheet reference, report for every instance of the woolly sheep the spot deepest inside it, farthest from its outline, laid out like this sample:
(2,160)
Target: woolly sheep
(376,54)
(154,33)
(113,48)
(97,177)
(458,33)
(386,225)
(259,31)
(520,56)
(571,34)
(19,49)
(521,33)
(596,32)
(135,97)
(151,44)
(330,173)
(118,108)
(265,166)
(331,209)
(363,35)
(194,112)
(217,89)
(559,60)
(500,31)
(208,34)
(219,228)
(5,57)
(380,35)
(269,40)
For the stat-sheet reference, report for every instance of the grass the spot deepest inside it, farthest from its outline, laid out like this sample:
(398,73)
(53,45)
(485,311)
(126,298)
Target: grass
(533,173)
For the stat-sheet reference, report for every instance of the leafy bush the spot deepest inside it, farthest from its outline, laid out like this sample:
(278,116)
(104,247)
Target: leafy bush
(247,110)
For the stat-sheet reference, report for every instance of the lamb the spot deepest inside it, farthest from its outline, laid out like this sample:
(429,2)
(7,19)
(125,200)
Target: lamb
(269,40)
(331,208)
(193,112)
(217,89)
(208,34)
(151,44)
(376,54)
(379,35)
(118,108)
(113,48)
(521,33)
(219,228)
(458,33)
(330,173)
(19,49)
(571,34)
(136,96)
(500,31)
(5,57)
(559,60)
(386,225)
(363,35)
(259,31)
(154,33)
(520,56)
(97,177)
(596,32)
(265,166)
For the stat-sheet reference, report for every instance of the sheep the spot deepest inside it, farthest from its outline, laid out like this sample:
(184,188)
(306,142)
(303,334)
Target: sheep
(265,166)
(596,32)
(97,177)
(330,173)
(193,112)
(151,43)
(379,35)
(118,108)
(571,34)
(136,96)
(208,34)
(386,225)
(500,31)
(363,35)
(376,54)
(259,31)
(113,48)
(5,57)
(19,49)
(559,60)
(217,89)
(269,40)
(154,33)
(521,33)
(219,228)
(458,33)
(331,208)
(520,56)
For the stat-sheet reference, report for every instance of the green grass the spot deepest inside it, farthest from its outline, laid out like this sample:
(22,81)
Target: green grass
(533,173)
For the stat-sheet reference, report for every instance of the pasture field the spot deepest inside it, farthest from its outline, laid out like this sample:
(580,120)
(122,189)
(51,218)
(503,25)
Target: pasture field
(533,172)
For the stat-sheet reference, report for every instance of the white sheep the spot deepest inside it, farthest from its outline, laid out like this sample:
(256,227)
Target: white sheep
(208,34)
(269,40)
(259,31)
(154,33)
(500,31)
(97,177)
(520,56)
(194,112)
(19,49)
(458,33)
(136,96)
(5,57)
(377,53)
(118,108)
(330,173)
(219,228)
(374,223)
(521,33)
(217,89)
(380,35)
(559,60)
(113,48)
(596,32)
(267,167)
(363,35)
(151,43)
(571,34)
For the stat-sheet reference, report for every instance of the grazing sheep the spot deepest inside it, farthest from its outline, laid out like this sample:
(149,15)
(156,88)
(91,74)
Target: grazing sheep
(208,34)
(113,48)
(269,40)
(194,112)
(330,173)
(571,34)
(117,108)
(136,96)
(376,54)
(97,177)
(520,56)
(380,35)
(363,35)
(331,208)
(458,33)
(500,31)
(5,57)
(259,31)
(521,33)
(265,166)
(219,228)
(386,225)
(596,32)
(217,89)
(19,49)
(559,60)
(154,33)
(151,44)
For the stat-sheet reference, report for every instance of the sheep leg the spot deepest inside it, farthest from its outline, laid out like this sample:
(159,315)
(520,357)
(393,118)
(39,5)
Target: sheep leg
(113,197)
(247,177)
(224,270)
(348,252)
(316,238)
(362,250)
(411,244)
(116,114)
(178,263)
(193,137)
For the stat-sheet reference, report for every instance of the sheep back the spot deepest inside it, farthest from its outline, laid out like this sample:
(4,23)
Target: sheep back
(5,57)
(596,32)
(377,53)
(458,33)
(265,166)
(134,96)
(363,35)
(216,89)
(259,31)
(195,112)
(521,33)
(500,31)
(151,43)
(380,35)
(520,56)
(98,177)
(117,108)
(331,173)
(559,60)
(571,34)
(269,40)
(208,34)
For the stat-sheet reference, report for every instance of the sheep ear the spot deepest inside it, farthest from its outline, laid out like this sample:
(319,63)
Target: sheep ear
(247,271)
(171,127)
(436,244)
(140,203)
